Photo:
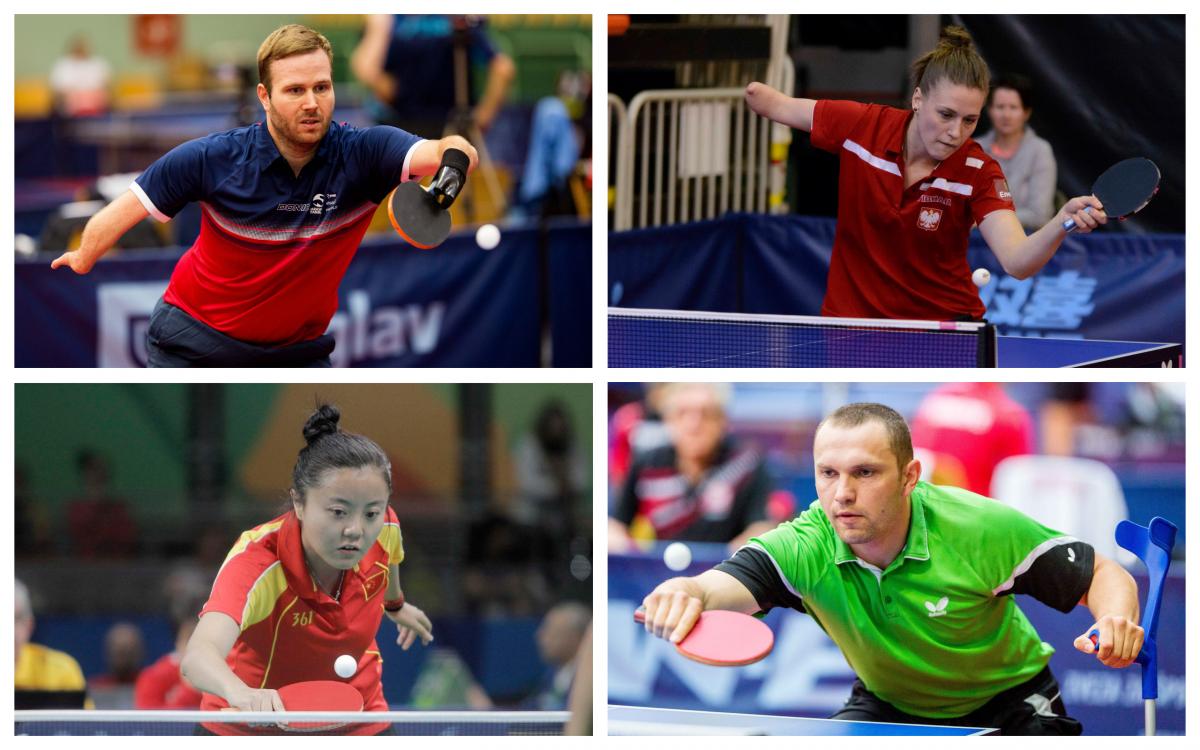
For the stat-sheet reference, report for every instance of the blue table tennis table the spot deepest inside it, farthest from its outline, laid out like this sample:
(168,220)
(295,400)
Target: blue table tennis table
(685,338)
(637,721)
(1017,351)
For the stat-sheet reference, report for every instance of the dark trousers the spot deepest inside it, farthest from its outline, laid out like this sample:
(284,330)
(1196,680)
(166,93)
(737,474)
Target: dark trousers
(1034,707)
(176,339)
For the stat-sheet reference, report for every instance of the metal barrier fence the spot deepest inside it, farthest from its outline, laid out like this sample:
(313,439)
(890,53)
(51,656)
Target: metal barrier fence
(690,155)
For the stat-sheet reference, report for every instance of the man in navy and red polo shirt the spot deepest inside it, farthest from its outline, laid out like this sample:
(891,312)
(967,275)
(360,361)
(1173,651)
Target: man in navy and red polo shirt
(285,204)
(911,186)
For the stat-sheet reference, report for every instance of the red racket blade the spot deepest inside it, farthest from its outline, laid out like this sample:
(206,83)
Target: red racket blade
(319,695)
(723,638)
(417,217)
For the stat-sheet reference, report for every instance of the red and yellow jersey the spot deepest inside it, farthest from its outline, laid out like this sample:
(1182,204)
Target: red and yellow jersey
(291,630)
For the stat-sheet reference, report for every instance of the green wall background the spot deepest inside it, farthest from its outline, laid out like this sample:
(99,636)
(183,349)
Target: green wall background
(140,429)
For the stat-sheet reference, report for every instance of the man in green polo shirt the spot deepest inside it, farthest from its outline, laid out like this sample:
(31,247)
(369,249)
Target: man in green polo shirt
(914,583)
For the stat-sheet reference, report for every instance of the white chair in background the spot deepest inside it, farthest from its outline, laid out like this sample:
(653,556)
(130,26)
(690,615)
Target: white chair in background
(1077,496)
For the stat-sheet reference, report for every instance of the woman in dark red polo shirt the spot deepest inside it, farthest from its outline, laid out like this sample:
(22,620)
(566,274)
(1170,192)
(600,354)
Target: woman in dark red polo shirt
(911,186)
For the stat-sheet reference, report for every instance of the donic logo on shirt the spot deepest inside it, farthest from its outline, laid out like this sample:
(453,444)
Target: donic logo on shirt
(939,609)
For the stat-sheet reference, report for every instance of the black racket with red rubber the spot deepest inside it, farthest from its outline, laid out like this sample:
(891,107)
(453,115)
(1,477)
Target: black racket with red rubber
(422,216)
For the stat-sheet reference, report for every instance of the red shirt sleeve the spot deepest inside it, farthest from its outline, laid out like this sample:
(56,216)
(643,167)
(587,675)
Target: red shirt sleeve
(991,192)
(833,120)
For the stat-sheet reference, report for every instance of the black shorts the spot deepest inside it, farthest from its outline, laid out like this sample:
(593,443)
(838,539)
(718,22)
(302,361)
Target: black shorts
(176,339)
(1034,707)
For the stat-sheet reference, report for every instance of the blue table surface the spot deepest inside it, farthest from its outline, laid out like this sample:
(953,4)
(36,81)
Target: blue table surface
(634,720)
(1016,351)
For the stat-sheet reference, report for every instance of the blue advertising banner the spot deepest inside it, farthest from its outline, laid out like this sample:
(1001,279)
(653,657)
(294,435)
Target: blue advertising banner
(456,306)
(1103,285)
(682,267)
(571,294)
(807,675)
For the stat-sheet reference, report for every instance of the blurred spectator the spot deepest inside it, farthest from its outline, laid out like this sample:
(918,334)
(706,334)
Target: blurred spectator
(552,475)
(80,80)
(408,63)
(968,428)
(445,681)
(558,640)
(558,140)
(124,654)
(703,487)
(1153,418)
(635,428)
(161,685)
(39,669)
(1027,160)
(502,577)
(99,522)
(1066,409)
(28,525)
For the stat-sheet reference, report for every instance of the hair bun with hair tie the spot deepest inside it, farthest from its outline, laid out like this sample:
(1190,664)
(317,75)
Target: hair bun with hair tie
(957,37)
(324,421)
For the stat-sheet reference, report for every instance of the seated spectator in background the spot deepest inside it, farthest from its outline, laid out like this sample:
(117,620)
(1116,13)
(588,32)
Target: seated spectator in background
(445,681)
(29,527)
(634,429)
(552,475)
(968,428)
(408,63)
(1065,413)
(558,141)
(703,487)
(558,640)
(79,81)
(99,521)
(502,577)
(1027,160)
(161,685)
(38,669)
(124,654)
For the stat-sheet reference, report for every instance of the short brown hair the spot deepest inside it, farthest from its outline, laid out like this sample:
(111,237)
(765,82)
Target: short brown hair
(899,438)
(292,39)
(955,59)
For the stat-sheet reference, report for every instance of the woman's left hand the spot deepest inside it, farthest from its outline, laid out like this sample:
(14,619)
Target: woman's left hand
(411,622)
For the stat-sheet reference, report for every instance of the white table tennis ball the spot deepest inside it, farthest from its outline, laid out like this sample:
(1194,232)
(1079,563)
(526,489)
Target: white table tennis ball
(677,556)
(345,666)
(487,236)
(981,277)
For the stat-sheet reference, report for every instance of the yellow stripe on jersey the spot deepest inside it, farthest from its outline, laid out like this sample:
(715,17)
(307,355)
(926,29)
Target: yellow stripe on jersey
(275,639)
(261,599)
(250,537)
(392,543)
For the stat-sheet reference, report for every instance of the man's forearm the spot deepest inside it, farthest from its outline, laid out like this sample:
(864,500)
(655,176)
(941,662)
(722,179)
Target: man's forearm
(109,225)
(1113,592)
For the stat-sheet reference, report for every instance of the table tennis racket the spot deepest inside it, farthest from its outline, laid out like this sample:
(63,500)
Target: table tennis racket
(1124,189)
(319,695)
(421,216)
(723,638)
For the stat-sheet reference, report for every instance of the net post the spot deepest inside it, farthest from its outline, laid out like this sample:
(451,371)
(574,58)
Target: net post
(987,346)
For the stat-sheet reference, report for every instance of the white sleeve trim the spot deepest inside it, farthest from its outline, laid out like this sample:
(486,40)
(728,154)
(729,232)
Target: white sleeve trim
(404,175)
(147,203)
(1030,559)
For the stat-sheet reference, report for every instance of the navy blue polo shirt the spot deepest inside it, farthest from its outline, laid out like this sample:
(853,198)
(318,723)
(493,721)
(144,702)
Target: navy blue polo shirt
(273,245)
